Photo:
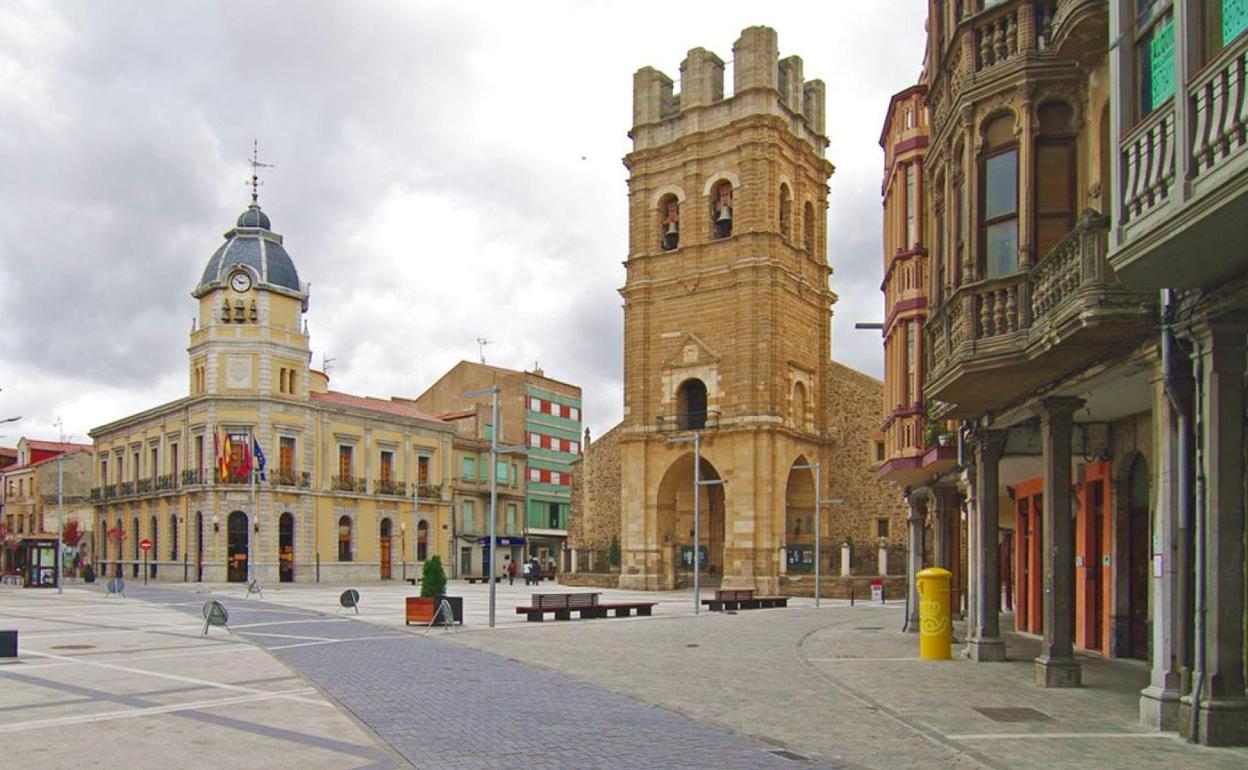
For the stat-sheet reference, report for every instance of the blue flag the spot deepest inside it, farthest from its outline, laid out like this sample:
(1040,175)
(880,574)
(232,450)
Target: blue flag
(259,457)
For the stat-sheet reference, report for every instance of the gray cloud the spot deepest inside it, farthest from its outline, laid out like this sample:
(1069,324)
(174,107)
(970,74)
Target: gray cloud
(443,173)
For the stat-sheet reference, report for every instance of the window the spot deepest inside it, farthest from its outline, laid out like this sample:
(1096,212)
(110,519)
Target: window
(422,469)
(103,475)
(691,401)
(344,462)
(470,467)
(721,209)
(286,456)
(999,202)
(1224,21)
(422,540)
(574,414)
(799,405)
(555,522)
(669,223)
(1054,177)
(912,205)
(1154,54)
(879,451)
(154,467)
(912,389)
(174,462)
(511,519)
(199,452)
(500,471)
(173,536)
(136,465)
(535,440)
(387,466)
(469,511)
(786,214)
(344,538)
(881,528)
(535,404)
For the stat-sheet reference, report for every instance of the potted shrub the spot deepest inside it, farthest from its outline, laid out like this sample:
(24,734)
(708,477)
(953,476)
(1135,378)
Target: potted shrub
(432,591)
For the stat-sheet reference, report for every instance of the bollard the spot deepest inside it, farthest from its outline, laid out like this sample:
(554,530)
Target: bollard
(8,644)
(935,627)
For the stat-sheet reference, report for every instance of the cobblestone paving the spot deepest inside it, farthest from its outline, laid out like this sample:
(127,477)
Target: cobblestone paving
(445,705)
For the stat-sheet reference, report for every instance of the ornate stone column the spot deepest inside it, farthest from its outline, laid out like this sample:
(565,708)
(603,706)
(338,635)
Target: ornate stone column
(1056,666)
(1222,712)
(984,630)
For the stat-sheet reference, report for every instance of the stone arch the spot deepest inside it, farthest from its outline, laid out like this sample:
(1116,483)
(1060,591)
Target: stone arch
(422,540)
(799,517)
(722,208)
(808,227)
(786,211)
(675,523)
(237,538)
(346,538)
(668,212)
(385,553)
(286,547)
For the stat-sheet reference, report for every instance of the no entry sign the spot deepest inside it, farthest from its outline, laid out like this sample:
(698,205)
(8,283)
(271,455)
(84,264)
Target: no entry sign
(145,545)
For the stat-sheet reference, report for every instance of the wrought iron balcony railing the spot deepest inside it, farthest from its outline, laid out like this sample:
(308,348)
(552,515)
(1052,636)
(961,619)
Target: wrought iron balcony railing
(706,419)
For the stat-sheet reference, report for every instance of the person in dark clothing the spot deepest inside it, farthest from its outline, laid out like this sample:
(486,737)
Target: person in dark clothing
(511,572)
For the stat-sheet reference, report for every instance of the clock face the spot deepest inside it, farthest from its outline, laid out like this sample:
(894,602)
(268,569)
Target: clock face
(240,281)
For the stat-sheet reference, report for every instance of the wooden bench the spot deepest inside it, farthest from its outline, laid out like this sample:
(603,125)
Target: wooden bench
(771,601)
(481,578)
(624,609)
(732,599)
(562,605)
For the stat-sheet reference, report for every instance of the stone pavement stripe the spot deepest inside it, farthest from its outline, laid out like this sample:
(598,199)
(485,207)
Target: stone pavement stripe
(1064,736)
(445,705)
(112,716)
(137,655)
(145,693)
(317,741)
(173,677)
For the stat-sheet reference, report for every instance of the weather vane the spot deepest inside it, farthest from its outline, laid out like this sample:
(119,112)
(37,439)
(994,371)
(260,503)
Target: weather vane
(256,165)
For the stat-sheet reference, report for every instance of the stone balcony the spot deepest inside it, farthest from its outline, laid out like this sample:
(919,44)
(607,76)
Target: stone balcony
(1184,190)
(995,341)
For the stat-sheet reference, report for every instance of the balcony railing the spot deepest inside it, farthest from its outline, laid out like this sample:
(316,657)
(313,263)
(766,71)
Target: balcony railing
(125,489)
(391,487)
(110,491)
(1006,321)
(428,491)
(97,494)
(143,486)
(349,484)
(191,478)
(166,482)
(684,421)
(1220,108)
(290,478)
(233,477)
(1148,163)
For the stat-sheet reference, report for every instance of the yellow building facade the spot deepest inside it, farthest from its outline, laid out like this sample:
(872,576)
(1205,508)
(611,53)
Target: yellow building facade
(353,488)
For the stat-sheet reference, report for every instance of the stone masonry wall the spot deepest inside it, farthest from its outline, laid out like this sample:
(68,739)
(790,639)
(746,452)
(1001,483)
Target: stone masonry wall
(596,494)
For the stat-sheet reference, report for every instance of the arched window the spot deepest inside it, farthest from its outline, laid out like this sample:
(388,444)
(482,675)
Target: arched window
(799,405)
(344,538)
(1054,177)
(998,199)
(808,228)
(691,400)
(669,223)
(721,208)
(786,213)
(422,540)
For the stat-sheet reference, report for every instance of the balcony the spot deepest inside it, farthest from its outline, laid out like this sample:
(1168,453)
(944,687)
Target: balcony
(191,478)
(426,491)
(97,494)
(143,487)
(234,477)
(125,489)
(687,421)
(290,478)
(995,341)
(349,484)
(166,483)
(391,488)
(1183,208)
(110,491)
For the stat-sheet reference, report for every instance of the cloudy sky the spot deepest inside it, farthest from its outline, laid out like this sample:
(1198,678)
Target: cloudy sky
(444,171)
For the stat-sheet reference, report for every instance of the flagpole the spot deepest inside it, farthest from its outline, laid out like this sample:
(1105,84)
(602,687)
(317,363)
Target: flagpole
(251,524)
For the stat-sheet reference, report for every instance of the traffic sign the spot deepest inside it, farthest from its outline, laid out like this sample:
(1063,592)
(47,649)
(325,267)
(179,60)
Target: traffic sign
(145,545)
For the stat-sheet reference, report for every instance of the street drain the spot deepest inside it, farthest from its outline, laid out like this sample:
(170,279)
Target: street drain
(691,645)
(868,628)
(1015,714)
(786,754)
(73,646)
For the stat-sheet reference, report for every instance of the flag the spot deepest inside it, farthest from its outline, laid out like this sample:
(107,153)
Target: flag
(259,454)
(227,455)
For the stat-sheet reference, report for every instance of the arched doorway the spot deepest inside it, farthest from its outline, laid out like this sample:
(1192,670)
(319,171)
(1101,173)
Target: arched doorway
(384,549)
(199,546)
(422,540)
(799,519)
(286,548)
(236,539)
(1139,539)
(154,554)
(676,524)
(691,405)
(136,538)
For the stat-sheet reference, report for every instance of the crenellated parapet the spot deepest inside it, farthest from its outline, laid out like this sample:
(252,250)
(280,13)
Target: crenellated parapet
(762,84)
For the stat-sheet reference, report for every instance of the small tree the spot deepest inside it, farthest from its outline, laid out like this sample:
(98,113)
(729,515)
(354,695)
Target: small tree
(433,579)
(613,551)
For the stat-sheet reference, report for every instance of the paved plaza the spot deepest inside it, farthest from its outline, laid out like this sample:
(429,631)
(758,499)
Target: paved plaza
(305,682)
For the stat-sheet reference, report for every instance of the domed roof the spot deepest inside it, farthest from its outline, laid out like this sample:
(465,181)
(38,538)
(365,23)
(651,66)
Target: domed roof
(255,246)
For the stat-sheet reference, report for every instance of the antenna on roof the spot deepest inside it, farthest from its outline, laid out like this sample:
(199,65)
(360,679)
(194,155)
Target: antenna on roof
(326,362)
(481,343)
(256,165)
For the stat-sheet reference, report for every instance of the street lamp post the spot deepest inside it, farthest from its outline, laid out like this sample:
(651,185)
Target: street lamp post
(818,469)
(493,393)
(403,546)
(60,508)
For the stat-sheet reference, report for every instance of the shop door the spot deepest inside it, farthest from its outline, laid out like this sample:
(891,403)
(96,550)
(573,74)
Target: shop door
(385,549)
(236,533)
(286,549)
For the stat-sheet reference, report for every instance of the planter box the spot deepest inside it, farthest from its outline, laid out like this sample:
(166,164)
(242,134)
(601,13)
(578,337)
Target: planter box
(421,609)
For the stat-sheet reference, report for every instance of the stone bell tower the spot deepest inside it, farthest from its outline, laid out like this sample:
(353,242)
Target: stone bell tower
(727,316)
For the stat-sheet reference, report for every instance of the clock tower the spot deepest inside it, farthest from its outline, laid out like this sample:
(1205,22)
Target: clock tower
(250,339)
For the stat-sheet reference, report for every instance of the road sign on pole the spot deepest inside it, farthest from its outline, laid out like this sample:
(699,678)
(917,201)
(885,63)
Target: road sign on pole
(145,546)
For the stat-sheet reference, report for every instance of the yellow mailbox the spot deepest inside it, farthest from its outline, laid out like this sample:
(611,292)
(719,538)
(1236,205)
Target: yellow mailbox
(935,625)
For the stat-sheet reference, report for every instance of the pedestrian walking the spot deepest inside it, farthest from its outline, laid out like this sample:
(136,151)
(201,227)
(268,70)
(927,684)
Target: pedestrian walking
(528,573)
(511,572)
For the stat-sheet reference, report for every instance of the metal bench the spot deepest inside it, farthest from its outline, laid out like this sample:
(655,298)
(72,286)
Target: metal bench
(732,599)
(625,609)
(481,578)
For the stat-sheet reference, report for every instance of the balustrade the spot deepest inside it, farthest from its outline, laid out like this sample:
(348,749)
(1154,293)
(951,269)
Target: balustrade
(1148,163)
(1077,260)
(1219,104)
